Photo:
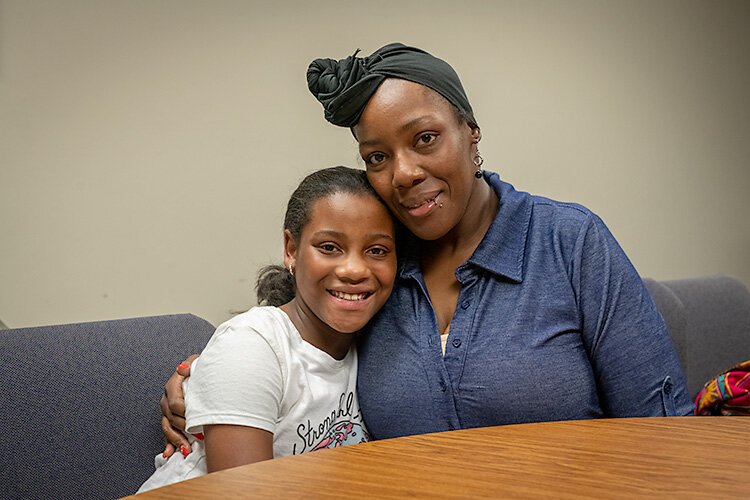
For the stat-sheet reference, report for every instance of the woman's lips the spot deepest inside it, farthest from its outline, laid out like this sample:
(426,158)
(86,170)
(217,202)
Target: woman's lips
(423,209)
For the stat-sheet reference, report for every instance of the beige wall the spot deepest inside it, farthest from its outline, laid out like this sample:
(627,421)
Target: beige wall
(147,148)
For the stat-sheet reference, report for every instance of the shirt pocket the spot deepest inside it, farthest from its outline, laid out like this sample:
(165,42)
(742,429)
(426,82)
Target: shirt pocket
(667,397)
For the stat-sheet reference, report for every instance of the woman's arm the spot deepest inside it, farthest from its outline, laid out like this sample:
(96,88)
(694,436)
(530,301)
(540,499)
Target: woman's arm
(173,410)
(234,445)
(634,361)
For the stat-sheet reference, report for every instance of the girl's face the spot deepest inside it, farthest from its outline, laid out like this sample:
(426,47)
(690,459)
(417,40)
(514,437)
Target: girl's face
(345,261)
(418,155)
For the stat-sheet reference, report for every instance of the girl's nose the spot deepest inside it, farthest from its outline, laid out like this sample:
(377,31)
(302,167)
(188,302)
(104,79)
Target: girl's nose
(352,268)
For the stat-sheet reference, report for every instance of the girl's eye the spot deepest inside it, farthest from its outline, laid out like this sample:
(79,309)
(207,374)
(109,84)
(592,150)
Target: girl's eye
(327,247)
(378,251)
(374,159)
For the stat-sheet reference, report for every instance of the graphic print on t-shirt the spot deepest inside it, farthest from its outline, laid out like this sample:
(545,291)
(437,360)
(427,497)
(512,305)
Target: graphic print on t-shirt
(341,427)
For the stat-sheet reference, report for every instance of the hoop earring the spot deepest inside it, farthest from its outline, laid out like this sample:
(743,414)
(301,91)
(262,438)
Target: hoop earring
(291,270)
(478,162)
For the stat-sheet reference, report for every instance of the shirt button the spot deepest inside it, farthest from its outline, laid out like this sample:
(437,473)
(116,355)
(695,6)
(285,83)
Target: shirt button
(465,304)
(456,343)
(668,388)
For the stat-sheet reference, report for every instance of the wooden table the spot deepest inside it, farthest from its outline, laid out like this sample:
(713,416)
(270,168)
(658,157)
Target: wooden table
(679,457)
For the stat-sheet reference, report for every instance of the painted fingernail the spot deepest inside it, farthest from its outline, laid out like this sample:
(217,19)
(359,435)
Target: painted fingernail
(198,435)
(164,455)
(183,450)
(183,366)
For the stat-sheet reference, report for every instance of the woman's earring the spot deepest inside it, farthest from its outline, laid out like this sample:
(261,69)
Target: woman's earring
(478,161)
(291,270)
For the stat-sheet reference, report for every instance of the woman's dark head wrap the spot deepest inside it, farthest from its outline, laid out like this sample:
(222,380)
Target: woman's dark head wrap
(344,87)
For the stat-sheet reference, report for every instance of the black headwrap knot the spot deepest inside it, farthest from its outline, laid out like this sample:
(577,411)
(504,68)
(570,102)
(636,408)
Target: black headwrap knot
(345,86)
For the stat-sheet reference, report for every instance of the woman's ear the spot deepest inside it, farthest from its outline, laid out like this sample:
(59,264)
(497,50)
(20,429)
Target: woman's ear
(476,134)
(290,249)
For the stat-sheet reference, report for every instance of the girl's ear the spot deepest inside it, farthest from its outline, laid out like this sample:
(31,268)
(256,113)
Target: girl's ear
(290,249)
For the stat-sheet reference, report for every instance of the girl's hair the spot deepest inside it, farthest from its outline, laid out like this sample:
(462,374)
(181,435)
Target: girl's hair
(275,284)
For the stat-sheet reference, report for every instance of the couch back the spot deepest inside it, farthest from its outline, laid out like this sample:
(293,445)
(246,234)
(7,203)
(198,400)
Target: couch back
(79,403)
(709,321)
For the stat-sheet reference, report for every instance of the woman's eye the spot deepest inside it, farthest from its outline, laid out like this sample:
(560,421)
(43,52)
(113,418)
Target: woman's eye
(426,138)
(375,158)
(327,247)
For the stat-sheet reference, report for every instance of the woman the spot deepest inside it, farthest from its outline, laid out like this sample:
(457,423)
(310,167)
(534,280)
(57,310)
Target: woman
(507,307)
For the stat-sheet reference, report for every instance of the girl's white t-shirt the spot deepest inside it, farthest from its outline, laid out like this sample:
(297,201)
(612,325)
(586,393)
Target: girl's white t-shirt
(257,371)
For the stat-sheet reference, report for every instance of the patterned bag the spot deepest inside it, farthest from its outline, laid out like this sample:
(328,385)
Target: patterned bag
(727,393)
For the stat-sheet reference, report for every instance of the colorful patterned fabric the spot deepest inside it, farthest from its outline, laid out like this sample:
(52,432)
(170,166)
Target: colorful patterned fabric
(726,394)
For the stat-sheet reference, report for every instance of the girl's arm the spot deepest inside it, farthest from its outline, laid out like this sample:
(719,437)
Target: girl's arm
(234,445)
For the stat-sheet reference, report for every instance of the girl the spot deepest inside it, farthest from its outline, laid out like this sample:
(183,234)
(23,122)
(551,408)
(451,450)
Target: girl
(280,379)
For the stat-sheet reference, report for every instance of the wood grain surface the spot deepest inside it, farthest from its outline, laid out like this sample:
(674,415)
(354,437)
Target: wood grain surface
(679,457)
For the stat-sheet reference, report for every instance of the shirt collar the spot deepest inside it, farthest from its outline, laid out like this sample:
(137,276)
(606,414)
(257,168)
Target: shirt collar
(502,249)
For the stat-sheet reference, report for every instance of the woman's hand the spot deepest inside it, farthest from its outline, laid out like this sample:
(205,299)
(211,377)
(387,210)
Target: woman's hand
(173,410)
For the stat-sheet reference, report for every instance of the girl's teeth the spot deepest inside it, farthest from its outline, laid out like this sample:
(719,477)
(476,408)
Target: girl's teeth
(349,296)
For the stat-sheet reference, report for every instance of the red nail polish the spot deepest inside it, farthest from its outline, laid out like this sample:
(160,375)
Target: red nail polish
(183,366)
(183,450)
(164,455)
(199,436)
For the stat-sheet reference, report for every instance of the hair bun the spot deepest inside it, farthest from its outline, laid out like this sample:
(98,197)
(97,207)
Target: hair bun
(343,87)
(329,78)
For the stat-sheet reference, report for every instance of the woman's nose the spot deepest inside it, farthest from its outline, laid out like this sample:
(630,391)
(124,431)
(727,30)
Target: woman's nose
(406,172)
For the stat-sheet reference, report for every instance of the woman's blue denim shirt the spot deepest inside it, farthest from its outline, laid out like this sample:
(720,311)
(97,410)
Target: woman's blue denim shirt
(552,323)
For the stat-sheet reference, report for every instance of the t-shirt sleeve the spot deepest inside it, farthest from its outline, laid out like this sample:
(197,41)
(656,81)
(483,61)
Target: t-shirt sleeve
(635,363)
(237,380)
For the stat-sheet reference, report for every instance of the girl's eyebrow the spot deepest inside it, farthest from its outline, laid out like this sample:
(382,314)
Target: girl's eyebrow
(338,234)
(376,236)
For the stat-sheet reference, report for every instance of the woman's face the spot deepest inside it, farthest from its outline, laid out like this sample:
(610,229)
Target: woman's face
(418,155)
(345,261)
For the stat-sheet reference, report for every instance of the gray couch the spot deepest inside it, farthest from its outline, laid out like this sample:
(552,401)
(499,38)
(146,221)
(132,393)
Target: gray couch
(78,403)
(709,321)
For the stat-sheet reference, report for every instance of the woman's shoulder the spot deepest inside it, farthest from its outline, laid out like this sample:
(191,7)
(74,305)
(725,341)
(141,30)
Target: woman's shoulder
(538,206)
(546,213)
(557,211)
(546,222)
